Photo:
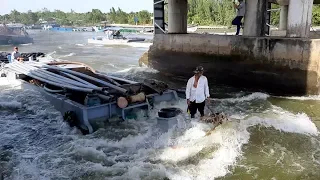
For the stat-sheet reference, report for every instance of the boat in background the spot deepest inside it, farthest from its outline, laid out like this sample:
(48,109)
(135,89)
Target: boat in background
(114,36)
(192,29)
(14,34)
(50,26)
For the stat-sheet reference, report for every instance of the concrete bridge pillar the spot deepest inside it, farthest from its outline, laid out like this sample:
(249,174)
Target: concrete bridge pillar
(178,16)
(299,18)
(255,18)
(283,17)
(283,14)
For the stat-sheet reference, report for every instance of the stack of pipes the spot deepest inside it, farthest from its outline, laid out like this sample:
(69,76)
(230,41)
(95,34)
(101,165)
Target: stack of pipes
(69,79)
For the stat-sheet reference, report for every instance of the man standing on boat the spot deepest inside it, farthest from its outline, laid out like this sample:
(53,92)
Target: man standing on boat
(241,10)
(197,92)
(15,55)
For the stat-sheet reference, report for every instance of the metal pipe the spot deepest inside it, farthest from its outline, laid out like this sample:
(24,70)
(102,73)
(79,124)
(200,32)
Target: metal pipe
(124,80)
(122,90)
(78,79)
(56,78)
(51,75)
(46,76)
(17,69)
(110,79)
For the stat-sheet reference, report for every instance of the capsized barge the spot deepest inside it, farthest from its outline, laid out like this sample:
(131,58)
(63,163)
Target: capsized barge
(87,98)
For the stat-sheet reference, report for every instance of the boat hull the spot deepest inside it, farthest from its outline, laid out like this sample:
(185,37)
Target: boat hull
(126,42)
(15,40)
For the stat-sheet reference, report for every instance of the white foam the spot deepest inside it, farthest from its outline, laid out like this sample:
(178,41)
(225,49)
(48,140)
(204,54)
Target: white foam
(302,98)
(225,146)
(80,45)
(28,44)
(68,55)
(133,70)
(139,45)
(12,104)
(229,139)
(284,121)
(249,97)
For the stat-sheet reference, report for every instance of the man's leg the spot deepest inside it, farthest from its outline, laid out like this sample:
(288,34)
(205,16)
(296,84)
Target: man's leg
(193,109)
(234,21)
(239,24)
(238,29)
(200,107)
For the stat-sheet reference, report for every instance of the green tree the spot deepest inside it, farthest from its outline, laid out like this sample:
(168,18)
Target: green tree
(15,16)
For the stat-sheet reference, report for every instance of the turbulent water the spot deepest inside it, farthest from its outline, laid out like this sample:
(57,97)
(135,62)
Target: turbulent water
(274,138)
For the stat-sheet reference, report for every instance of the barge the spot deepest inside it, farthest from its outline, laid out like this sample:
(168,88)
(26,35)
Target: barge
(14,35)
(87,98)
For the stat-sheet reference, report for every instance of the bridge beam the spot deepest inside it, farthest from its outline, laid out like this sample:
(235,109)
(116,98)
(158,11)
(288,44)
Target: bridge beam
(178,16)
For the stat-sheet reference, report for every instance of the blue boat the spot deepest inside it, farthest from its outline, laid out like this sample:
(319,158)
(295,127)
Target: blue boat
(88,99)
(63,29)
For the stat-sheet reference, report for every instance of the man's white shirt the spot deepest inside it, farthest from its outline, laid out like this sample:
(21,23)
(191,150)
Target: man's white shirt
(199,94)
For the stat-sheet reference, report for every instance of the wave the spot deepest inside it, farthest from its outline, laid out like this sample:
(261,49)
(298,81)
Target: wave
(133,70)
(136,149)
(12,104)
(249,97)
(302,98)
(68,55)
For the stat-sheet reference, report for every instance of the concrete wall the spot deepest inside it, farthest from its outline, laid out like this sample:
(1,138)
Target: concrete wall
(277,65)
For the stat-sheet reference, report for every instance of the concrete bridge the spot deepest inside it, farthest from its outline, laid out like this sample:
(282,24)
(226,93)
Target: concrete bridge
(285,61)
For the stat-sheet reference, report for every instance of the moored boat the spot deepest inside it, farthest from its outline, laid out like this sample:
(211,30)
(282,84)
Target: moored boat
(114,36)
(14,35)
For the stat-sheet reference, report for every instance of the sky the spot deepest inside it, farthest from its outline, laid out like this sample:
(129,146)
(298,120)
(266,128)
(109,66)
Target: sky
(77,5)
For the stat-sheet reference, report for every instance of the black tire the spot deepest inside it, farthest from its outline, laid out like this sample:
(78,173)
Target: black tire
(169,112)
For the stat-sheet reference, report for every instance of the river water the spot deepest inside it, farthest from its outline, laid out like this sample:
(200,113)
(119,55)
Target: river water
(271,138)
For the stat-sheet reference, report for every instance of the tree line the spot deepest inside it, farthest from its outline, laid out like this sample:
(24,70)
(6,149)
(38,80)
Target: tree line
(222,12)
(201,12)
(73,18)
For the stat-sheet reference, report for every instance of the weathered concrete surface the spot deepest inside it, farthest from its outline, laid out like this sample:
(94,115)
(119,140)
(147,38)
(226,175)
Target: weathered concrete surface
(178,16)
(314,1)
(281,66)
(255,18)
(299,18)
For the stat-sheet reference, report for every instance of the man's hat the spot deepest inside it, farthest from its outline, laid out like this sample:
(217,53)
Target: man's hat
(198,69)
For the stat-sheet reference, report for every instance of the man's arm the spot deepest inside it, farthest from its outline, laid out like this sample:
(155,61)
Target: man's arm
(188,89)
(206,89)
(235,5)
(13,56)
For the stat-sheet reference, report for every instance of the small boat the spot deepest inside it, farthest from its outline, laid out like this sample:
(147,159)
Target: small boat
(14,34)
(50,26)
(114,36)
(87,98)
(192,29)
